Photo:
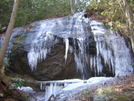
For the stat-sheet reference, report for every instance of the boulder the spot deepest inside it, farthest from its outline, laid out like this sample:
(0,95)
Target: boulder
(64,48)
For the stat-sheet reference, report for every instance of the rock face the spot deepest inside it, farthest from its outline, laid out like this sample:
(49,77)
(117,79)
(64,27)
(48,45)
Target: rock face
(53,67)
(66,48)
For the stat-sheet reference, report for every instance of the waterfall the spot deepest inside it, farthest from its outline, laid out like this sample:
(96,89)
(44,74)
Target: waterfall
(97,51)
(109,55)
(45,37)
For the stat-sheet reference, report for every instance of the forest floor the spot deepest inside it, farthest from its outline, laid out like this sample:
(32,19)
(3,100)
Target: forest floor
(8,92)
(124,89)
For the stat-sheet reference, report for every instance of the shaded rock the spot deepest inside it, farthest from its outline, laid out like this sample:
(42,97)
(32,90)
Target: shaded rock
(52,68)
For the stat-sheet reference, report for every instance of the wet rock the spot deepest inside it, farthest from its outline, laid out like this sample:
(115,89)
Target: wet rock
(53,67)
(65,48)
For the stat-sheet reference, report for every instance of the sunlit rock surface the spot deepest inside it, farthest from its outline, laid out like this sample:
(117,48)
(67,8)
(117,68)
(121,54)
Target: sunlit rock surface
(69,47)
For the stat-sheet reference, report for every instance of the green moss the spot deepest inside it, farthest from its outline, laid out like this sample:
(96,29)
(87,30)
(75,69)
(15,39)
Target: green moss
(86,91)
(20,39)
(104,90)
(108,94)
(120,97)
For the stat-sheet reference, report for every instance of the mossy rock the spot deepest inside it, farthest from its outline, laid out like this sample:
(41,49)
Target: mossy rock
(108,94)
(21,38)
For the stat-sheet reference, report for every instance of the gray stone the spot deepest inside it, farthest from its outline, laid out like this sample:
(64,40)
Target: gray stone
(65,48)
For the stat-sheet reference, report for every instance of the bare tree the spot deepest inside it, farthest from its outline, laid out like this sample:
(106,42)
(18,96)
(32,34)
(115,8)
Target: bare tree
(129,16)
(8,33)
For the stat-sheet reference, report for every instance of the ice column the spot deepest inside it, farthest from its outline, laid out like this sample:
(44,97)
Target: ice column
(66,49)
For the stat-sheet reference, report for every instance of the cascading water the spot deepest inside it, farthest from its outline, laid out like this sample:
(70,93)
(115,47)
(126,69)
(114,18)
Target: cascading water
(97,51)
(44,39)
(106,58)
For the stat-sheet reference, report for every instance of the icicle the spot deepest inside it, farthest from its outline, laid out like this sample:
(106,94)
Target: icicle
(53,89)
(41,87)
(66,49)
(91,63)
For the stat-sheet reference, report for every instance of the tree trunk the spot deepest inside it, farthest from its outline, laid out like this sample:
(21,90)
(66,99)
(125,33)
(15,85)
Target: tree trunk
(73,8)
(3,83)
(9,32)
(129,15)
